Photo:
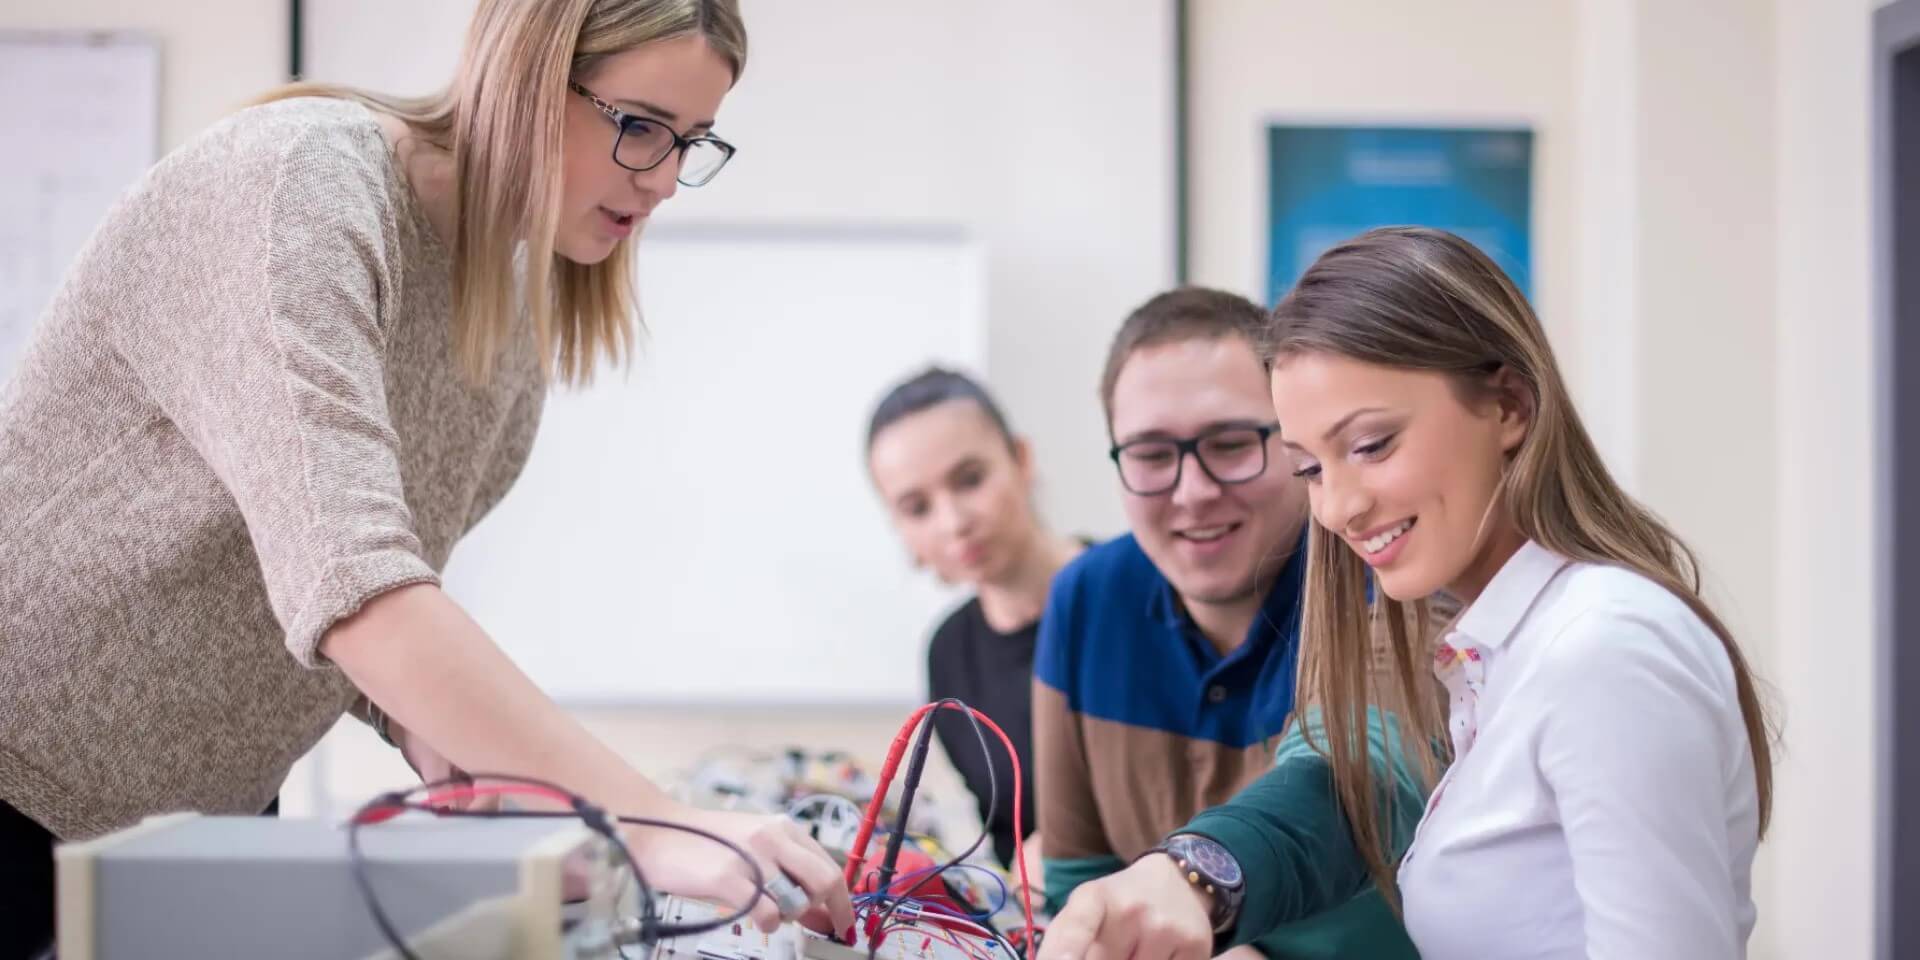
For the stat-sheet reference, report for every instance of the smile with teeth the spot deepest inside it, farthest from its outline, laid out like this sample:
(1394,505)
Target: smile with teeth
(1380,541)
(1207,534)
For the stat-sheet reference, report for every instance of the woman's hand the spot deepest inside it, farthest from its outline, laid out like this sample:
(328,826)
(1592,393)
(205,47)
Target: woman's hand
(432,767)
(693,866)
(413,652)
(1147,912)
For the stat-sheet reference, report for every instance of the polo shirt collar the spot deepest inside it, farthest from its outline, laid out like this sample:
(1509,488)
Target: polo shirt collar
(1280,612)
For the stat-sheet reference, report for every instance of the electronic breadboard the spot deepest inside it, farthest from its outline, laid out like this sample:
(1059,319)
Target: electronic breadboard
(911,940)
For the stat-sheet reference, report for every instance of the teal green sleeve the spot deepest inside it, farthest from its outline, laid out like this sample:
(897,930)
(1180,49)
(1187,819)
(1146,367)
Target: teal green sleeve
(1364,926)
(1292,841)
(1062,877)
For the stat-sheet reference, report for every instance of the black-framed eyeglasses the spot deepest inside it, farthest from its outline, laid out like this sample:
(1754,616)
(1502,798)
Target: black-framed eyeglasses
(1229,454)
(642,143)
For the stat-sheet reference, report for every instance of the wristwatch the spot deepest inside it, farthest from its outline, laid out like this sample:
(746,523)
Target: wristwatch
(1213,871)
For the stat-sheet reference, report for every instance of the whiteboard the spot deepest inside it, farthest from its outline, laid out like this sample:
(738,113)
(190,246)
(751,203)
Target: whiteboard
(703,529)
(81,123)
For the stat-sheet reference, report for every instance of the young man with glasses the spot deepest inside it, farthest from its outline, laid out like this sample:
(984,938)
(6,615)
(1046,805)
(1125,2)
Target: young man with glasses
(1164,677)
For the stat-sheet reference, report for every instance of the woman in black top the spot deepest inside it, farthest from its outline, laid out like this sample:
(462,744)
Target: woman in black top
(959,487)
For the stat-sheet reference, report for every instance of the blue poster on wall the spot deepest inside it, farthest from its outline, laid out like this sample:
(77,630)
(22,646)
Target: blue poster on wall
(1326,184)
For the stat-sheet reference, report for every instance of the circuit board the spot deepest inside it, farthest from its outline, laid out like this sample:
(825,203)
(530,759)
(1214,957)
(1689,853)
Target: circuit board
(744,941)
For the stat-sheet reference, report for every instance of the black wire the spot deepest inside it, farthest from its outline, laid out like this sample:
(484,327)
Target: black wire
(916,765)
(993,785)
(651,929)
(593,817)
(358,861)
(662,931)
(993,797)
(632,872)
(596,819)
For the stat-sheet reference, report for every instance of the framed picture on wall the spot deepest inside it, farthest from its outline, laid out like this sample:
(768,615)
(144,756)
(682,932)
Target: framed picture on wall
(1327,183)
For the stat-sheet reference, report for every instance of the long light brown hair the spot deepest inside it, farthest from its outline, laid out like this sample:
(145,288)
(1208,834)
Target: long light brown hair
(1423,299)
(501,121)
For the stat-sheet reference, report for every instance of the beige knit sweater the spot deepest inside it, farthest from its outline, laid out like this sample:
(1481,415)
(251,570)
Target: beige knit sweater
(238,420)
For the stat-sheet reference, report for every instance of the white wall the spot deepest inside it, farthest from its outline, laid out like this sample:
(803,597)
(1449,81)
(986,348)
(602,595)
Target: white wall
(1824,841)
(1699,330)
(1374,61)
(1704,327)
(1037,130)
(214,54)
(1726,262)
(1599,360)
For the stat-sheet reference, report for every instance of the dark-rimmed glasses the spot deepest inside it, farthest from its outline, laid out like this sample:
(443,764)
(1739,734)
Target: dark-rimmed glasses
(642,143)
(1229,454)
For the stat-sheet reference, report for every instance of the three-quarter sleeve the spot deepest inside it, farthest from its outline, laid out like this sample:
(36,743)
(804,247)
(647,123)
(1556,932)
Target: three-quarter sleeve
(272,365)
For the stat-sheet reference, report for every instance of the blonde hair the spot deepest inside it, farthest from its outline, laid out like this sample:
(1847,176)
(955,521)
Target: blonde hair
(1427,300)
(501,120)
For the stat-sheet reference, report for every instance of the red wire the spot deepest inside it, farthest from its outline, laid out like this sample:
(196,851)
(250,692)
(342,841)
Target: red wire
(943,937)
(858,854)
(450,794)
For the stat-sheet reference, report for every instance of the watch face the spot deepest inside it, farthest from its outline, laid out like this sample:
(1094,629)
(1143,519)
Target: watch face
(1212,860)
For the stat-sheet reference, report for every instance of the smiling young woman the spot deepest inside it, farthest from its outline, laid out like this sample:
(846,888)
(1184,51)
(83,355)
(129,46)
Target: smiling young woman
(1611,771)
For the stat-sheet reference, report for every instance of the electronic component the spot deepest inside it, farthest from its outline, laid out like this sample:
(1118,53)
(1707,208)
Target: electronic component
(747,942)
(184,885)
(815,788)
(415,875)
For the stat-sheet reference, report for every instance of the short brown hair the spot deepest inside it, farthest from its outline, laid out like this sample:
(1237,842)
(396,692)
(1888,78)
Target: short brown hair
(1184,313)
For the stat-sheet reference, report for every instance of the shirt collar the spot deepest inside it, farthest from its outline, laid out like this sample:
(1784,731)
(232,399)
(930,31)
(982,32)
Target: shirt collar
(1280,611)
(1163,604)
(1491,620)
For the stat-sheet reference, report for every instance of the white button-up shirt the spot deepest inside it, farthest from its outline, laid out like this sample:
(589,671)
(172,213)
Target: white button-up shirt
(1601,802)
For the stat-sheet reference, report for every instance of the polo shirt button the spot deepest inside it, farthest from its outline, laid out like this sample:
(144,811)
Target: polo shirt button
(1216,694)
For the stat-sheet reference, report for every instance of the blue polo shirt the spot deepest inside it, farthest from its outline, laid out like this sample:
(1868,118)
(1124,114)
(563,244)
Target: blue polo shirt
(1113,621)
(1140,724)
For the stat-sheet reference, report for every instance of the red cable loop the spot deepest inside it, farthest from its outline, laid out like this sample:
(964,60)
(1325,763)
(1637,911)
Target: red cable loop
(857,855)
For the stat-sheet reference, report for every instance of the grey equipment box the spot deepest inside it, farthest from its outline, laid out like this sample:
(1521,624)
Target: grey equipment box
(193,887)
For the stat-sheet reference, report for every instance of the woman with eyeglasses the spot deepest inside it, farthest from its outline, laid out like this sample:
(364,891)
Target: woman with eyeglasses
(301,358)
